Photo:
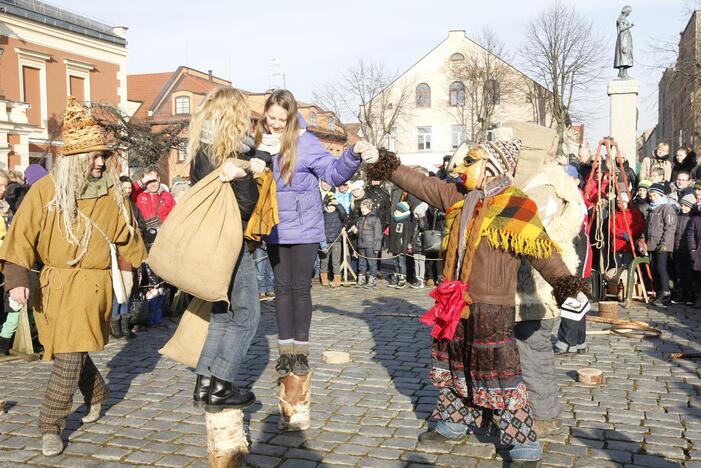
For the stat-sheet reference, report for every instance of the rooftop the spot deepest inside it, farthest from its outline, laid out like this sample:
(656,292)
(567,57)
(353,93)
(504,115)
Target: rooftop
(51,15)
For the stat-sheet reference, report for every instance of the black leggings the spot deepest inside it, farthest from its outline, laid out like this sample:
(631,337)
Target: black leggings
(661,273)
(293,265)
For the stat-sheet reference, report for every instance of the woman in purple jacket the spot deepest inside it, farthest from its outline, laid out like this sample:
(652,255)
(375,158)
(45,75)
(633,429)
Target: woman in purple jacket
(299,161)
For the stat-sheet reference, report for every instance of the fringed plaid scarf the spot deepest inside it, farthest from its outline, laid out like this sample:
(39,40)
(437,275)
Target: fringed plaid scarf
(511,224)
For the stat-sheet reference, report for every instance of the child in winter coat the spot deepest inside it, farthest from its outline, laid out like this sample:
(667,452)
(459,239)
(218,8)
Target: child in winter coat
(421,222)
(683,291)
(641,200)
(369,231)
(334,218)
(658,241)
(401,231)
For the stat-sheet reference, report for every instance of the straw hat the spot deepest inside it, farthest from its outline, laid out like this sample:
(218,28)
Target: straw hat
(81,134)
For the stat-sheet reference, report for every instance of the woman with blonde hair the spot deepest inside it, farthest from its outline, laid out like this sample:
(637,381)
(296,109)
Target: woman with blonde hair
(218,135)
(660,159)
(299,161)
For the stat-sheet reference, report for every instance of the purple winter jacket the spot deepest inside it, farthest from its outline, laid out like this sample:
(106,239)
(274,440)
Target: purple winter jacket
(299,204)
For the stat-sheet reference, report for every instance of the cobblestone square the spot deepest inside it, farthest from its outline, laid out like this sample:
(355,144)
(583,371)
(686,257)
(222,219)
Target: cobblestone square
(370,411)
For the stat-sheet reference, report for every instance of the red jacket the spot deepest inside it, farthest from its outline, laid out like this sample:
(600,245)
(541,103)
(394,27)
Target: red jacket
(631,218)
(152,204)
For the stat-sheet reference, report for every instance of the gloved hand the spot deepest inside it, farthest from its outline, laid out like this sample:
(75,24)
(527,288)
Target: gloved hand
(625,236)
(368,153)
(420,209)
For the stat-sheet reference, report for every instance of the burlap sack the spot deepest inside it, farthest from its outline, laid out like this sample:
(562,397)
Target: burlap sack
(538,149)
(187,342)
(197,247)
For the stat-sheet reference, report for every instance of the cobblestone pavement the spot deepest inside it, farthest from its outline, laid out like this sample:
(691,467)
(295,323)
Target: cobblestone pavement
(369,412)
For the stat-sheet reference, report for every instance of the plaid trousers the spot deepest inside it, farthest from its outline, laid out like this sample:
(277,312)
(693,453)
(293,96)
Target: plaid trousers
(70,371)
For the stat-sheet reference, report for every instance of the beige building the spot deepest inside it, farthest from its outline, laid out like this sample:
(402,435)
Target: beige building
(679,108)
(47,54)
(438,112)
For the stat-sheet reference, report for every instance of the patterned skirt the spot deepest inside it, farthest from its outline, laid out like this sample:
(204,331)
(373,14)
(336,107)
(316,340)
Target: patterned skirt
(480,366)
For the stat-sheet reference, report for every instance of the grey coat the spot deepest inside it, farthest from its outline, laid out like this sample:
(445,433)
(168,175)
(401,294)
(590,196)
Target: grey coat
(660,229)
(369,232)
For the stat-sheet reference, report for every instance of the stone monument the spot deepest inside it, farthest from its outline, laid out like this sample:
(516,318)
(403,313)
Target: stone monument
(623,91)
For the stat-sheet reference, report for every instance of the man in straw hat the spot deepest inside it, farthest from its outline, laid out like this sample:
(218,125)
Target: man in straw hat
(490,227)
(67,222)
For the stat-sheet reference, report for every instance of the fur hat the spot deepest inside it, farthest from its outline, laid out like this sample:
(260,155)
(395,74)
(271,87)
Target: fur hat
(645,183)
(81,134)
(688,200)
(657,188)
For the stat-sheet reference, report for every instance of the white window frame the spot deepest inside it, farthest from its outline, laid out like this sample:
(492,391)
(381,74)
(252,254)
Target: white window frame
(331,124)
(29,58)
(182,155)
(79,70)
(312,119)
(175,105)
(424,138)
(457,134)
(391,141)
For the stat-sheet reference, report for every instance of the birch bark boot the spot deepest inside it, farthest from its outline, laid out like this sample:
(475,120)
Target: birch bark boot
(295,402)
(227,446)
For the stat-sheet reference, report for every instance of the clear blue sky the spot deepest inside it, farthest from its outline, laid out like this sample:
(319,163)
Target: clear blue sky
(314,40)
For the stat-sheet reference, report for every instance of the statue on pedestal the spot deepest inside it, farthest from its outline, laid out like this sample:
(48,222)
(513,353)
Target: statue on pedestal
(623,60)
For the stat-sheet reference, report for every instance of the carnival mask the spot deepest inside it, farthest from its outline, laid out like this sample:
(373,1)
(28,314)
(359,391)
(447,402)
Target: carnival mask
(472,171)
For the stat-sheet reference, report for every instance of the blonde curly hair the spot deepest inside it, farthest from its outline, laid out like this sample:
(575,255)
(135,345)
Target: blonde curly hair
(222,122)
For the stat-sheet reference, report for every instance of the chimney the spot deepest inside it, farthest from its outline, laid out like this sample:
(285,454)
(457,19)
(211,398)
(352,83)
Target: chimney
(210,75)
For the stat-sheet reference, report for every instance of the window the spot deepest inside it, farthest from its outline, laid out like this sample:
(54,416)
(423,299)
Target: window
(457,94)
(457,135)
(391,141)
(423,95)
(77,87)
(182,105)
(491,93)
(182,155)
(457,57)
(331,124)
(312,119)
(424,138)
(31,79)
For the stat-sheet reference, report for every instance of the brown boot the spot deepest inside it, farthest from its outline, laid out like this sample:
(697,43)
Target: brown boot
(336,281)
(324,278)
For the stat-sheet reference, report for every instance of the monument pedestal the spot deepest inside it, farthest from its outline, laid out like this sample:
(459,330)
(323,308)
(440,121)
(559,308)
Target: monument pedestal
(624,116)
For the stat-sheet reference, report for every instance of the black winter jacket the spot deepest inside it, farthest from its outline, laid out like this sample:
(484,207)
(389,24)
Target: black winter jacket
(245,188)
(381,201)
(401,233)
(680,234)
(333,223)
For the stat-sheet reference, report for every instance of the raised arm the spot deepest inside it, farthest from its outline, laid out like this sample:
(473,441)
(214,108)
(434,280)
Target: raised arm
(335,171)
(432,190)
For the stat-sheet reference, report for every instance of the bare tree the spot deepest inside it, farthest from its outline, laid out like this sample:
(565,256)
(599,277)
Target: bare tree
(481,80)
(565,52)
(368,92)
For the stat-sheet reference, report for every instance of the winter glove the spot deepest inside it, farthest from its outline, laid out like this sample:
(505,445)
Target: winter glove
(420,210)
(663,248)
(368,153)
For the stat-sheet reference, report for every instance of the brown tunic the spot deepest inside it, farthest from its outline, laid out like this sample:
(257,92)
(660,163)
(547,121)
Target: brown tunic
(74,303)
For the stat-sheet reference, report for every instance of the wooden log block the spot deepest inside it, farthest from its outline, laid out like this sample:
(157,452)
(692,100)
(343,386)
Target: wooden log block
(335,357)
(295,402)
(590,376)
(227,446)
(2,406)
(608,309)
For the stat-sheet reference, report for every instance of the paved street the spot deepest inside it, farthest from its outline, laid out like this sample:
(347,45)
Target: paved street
(370,411)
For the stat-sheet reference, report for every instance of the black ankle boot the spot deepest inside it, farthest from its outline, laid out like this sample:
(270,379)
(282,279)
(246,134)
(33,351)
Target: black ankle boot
(116,327)
(199,396)
(284,365)
(223,395)
(4,346)
(126,326)
(300,365)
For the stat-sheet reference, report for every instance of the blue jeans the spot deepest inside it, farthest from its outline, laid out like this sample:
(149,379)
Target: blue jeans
(400,264)
(264,271)
(232,327)
(119,309)
(155,310)
(451,430)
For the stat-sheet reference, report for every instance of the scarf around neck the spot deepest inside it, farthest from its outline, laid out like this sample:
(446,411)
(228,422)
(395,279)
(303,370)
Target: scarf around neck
(660,202)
